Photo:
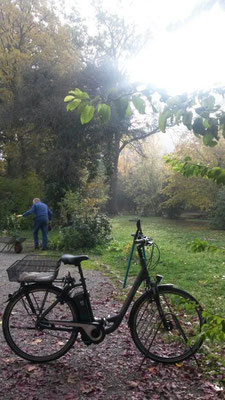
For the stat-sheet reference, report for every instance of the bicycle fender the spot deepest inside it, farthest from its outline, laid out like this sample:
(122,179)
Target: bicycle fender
(166,285)
(12,295)
(22,288)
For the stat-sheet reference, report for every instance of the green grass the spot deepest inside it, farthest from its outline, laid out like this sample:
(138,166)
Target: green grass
(202,274)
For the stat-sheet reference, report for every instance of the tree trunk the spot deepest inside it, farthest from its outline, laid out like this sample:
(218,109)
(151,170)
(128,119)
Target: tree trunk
(111,164)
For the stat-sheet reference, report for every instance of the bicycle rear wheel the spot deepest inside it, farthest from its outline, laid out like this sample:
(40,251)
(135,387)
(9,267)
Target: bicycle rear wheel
(22,332)
(179,340)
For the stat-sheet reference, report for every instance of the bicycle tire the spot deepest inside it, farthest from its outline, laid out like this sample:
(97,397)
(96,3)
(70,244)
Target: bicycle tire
(184,316)
(21,331)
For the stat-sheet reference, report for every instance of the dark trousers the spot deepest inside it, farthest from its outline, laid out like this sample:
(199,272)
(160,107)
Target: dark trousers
(41,223)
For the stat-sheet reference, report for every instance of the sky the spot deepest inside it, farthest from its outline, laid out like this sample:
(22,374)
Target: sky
(185,52)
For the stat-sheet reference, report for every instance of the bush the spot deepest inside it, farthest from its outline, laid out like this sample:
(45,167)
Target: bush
(85,232)
(218,215)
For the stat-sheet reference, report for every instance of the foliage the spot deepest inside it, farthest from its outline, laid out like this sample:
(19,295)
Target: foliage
(84,225)
(87,108)
(213,327)
(187,169)
(198,245)
(140,179)
(186,183)
(104,92)
(84,232)
(13,225)
(218,214)
(90,198)
(197,111)
(28,31)
(37,61)
(186,194)
(16,196)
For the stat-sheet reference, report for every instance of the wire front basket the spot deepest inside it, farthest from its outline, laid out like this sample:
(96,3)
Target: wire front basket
(34,268)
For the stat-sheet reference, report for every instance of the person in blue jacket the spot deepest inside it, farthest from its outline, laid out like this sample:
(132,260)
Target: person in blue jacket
(42,214)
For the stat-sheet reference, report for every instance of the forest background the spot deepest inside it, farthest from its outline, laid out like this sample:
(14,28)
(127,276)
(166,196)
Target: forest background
(45,150)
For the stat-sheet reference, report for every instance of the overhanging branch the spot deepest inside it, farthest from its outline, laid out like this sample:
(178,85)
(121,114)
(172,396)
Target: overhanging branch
(135,139)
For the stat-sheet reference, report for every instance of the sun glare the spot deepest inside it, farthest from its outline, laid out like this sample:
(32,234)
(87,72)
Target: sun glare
(187,59)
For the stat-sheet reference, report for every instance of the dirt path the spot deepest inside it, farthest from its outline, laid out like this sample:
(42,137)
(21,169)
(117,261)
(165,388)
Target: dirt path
(110,370)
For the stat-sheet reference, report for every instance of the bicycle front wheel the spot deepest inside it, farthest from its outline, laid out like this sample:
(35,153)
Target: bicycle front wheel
(174,340)
(26,337)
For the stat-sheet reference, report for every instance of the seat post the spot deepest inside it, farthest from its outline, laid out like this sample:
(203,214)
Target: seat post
(82,279)
(86,293)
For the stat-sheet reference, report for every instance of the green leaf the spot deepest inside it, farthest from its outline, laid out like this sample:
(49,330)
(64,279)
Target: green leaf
(68,98)
(206,123)
(198,126)
(79,94)
(209,140)
(139,104)
(163,119)
(87,114)
(104,112)
(81,106)
(73,104)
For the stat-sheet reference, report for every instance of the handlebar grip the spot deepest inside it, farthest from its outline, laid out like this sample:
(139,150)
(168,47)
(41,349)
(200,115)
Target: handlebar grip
(144,240)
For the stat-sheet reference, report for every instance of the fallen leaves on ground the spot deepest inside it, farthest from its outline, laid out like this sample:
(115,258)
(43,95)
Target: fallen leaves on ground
(112,370)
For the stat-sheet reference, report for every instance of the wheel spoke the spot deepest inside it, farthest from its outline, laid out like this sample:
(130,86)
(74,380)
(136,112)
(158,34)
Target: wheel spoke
(29,339)
(167,342)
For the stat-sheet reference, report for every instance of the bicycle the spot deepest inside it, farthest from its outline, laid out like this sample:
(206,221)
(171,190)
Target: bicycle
(41,321)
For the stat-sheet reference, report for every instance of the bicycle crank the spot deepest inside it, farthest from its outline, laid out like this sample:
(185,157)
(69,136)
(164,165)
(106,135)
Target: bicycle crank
(92,331)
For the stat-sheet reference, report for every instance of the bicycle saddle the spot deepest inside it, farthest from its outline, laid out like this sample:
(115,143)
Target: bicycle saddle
(73,260)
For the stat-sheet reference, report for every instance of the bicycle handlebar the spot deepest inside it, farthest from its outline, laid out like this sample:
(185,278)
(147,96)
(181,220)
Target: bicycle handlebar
(144,240)
(139,238)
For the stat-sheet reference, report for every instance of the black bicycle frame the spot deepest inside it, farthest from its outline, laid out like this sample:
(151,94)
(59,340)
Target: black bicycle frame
(87,325)
(142,276)
(90,323)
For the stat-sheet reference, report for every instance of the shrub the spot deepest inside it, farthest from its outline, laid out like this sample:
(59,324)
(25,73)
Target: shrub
(84,232)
